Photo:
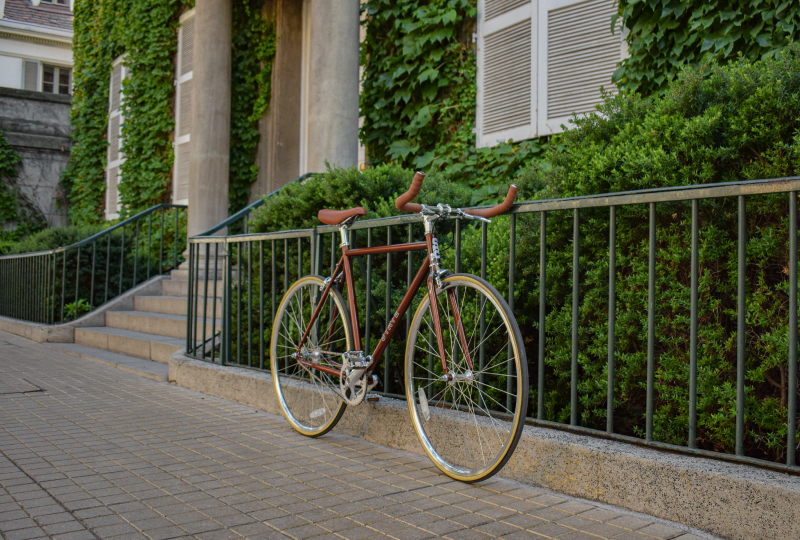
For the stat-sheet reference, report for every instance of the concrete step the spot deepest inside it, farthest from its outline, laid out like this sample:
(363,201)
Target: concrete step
(160,324)
(138,344)
(175,305)
(144,368)
(180,287)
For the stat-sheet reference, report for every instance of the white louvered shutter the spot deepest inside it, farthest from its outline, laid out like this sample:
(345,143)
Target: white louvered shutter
(506,71)
(577,56)
(115,157)
(183,109)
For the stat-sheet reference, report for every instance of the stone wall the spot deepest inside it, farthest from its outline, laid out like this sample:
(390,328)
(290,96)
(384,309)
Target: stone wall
(37,126)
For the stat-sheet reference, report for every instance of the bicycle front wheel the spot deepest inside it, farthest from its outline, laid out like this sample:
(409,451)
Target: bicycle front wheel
(309,398)
(468,420)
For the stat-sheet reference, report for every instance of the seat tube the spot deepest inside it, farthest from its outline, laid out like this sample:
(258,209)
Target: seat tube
(351,297)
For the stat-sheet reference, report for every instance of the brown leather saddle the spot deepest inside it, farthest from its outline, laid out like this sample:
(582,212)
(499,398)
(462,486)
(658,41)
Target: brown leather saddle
(335,217)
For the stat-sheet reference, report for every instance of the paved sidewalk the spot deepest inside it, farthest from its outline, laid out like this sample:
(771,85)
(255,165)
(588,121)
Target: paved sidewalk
(88,451)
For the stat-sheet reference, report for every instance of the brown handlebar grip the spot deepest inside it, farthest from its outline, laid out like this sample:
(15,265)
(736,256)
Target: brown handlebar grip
(504,206)
(403,202)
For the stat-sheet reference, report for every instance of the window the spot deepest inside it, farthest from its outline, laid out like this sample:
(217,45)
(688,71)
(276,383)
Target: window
(56,80)
(115,157)
(183,109)
(539,61)
(55,2)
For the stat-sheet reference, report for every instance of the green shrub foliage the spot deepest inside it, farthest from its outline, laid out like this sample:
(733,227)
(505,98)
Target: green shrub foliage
(714,124)
(665,35)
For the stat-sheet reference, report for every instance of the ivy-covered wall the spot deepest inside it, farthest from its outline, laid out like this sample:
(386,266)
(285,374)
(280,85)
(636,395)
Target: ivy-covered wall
(146,31)
(665,35)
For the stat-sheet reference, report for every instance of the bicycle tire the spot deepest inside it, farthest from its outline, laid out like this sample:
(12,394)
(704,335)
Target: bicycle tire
(454,421)
(309,398)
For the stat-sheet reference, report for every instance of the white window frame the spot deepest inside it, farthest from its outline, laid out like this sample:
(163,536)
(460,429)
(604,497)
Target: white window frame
(487,28)
(117,163)
(178,139)
(58,68)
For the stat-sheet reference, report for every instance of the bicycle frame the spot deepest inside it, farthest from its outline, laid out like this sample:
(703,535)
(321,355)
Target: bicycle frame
(429,267)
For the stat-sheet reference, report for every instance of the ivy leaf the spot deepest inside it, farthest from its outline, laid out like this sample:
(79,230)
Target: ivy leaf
(424,160)
(450,16)
(428,74)
(402,148)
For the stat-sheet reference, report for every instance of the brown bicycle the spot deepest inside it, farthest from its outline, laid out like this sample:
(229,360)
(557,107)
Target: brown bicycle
(466,374)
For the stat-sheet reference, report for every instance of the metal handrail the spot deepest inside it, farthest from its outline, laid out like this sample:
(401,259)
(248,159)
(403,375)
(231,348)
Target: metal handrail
(268,262)
(98,235)
(34,286)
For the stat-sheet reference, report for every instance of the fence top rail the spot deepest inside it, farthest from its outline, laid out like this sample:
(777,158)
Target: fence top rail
(98,235)
(252,237)
(667,194)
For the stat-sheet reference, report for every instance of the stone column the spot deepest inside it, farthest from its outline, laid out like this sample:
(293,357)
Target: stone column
(332,84)
(211,115)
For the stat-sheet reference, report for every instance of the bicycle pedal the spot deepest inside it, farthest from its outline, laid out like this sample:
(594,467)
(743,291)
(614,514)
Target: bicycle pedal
(372,398)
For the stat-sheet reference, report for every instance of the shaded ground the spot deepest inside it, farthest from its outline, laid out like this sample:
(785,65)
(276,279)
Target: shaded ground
(88,451)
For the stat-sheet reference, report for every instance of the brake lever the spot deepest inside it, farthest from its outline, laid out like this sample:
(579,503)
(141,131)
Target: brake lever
(464,215)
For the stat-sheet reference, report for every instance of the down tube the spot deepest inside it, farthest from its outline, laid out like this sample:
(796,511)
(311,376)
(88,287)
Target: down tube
(404,305)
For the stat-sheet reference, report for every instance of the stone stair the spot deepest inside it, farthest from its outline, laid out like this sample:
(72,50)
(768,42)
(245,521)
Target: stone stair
(142,340)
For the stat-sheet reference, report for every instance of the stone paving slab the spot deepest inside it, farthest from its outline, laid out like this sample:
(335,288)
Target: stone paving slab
(94,452)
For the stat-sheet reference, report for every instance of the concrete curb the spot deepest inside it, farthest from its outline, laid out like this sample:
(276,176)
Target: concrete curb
(730,500)
(65,333)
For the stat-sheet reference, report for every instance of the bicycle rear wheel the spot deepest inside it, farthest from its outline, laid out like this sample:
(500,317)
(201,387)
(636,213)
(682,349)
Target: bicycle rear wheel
(308,397)
(470,424)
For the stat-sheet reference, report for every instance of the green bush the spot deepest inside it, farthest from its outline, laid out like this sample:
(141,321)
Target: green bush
(713,124)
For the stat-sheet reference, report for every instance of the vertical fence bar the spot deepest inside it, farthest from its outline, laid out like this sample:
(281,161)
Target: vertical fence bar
(612,314)
(205,301)
(161,244)
(409,278)
(189,304)
(482,347)
(108,266)
(260,304)
(121,260)
(214,302)
(228,302)
(388,316)
(196,294)
(239,301)
(274,283)
(175,247)
(54,263)
(249,303)
(63,282)
(651,322)
(542,302)
(458,247)
(77,281)
(368,308)
(740,326)
(573,387)
(791,421)
(136,255)
(91,289)
(693,326)
(512,262)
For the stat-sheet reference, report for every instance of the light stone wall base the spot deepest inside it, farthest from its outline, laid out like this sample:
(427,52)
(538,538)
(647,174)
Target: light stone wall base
(65,333)
(730,500)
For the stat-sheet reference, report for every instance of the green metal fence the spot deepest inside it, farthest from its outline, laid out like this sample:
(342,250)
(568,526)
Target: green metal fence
(256,269)
(60,285)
